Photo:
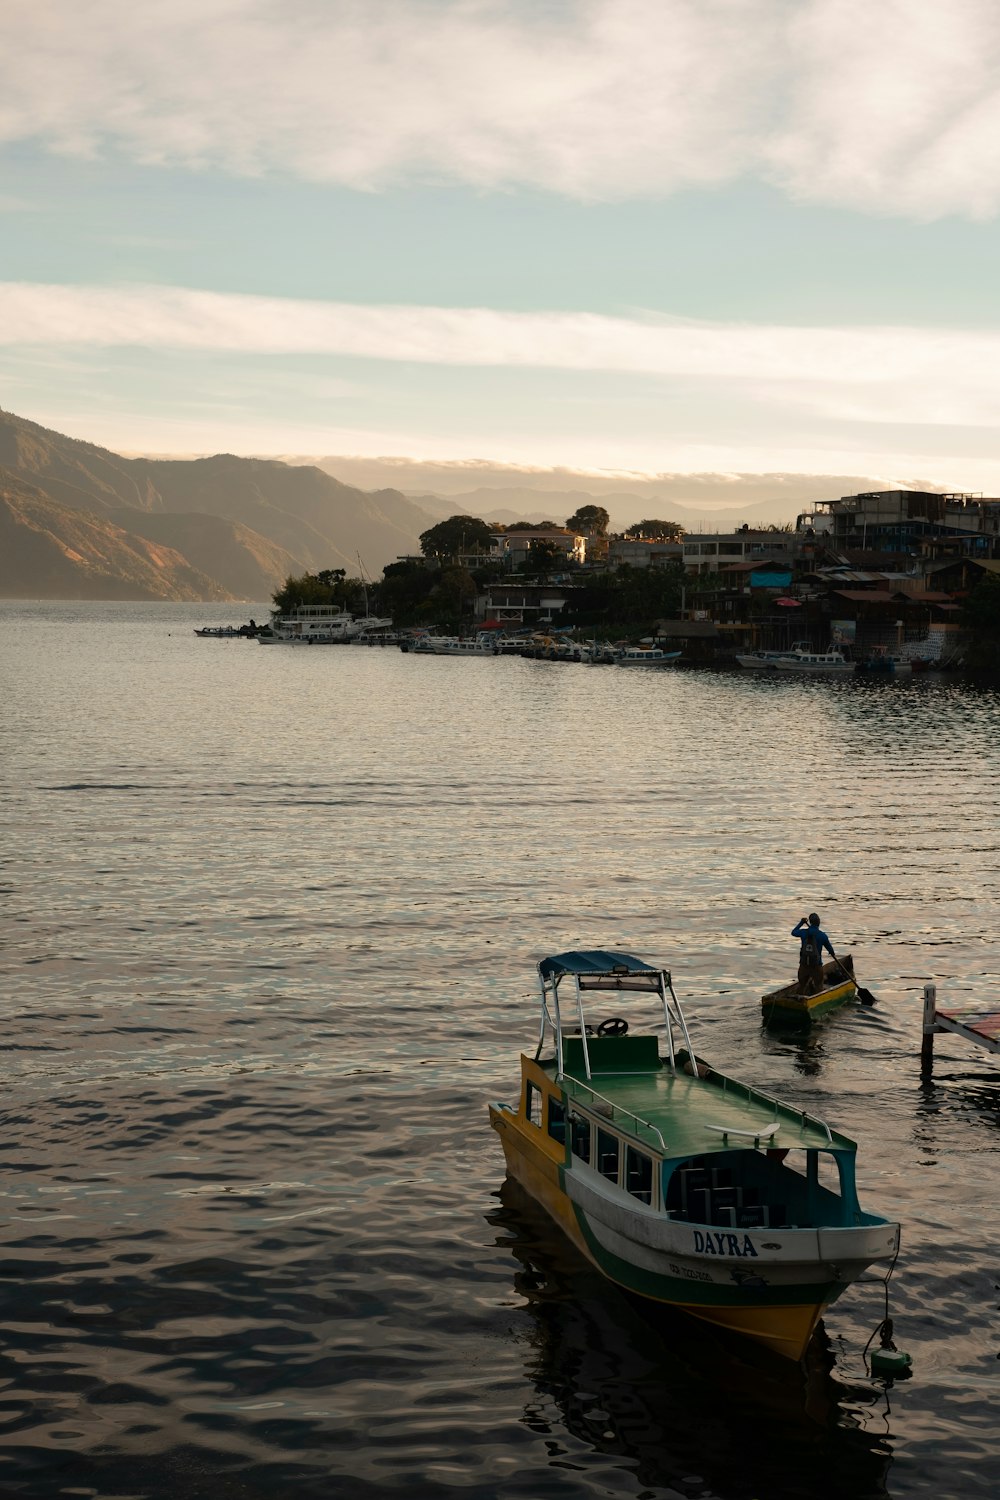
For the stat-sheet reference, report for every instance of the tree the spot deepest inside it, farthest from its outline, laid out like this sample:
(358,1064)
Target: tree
(981,618)
(458,536)
(330,586)
(655,531)
(404,592)
(589,520)
(630,600)
(544,557)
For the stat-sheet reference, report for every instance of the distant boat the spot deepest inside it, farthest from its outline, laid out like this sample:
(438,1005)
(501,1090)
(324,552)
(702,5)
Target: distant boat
(645,656)
(229,632)
(832,663)
(883,663)
(767,661)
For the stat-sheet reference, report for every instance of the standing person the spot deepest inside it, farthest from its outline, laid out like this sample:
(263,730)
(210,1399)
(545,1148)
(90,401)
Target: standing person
(813,940)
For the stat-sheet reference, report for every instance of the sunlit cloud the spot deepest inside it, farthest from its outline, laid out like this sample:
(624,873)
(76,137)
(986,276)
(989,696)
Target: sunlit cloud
(892,374)
(891,108)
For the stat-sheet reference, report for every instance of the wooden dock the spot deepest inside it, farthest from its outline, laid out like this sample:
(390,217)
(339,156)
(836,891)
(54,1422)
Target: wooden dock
(982,1027)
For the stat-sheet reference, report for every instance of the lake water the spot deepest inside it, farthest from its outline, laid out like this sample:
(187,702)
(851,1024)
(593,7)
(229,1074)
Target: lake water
(271,922)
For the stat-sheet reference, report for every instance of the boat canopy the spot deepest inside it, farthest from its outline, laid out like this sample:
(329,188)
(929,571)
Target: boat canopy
(597,969)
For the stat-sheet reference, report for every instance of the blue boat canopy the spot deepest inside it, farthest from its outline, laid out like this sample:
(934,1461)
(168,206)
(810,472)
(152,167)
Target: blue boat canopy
(592,963)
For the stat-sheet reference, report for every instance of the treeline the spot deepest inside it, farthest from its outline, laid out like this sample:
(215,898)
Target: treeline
(443,595)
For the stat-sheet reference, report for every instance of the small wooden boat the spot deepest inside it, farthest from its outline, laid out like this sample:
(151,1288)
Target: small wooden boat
(678,1183)
(837,987)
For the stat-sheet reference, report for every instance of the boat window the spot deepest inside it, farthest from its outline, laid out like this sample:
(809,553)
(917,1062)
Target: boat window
(607,1155)
(534,1104)
(579,1128)
(557,1119)
(639,1174)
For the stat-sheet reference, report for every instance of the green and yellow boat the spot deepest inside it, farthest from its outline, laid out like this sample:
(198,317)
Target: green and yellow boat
(679,1183)
(787,1006)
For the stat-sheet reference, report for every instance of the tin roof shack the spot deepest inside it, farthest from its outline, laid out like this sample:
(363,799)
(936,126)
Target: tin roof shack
(698,639)
(957,577)
(750,604)
(882,619)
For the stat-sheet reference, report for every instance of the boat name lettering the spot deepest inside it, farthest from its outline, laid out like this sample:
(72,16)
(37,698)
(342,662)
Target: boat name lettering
(714,1243)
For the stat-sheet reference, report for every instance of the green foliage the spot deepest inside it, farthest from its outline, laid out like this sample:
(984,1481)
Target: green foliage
(981,618)
(452,596)
(628,601)
(544,557)
(330,586)
(589,520)
(405,593)
(458,536)
(656,531)
(981,610)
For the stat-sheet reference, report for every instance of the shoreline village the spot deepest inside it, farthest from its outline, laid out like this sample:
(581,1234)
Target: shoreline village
(883,584)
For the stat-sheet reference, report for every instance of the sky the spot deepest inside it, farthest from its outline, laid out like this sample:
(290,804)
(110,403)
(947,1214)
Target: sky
(618,236)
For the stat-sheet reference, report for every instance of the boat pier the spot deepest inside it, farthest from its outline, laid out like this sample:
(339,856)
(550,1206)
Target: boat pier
(981,1027)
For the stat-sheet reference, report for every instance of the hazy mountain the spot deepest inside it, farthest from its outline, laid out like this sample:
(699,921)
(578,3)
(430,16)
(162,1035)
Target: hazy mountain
(698,501)
(53,551)
(240,525)
(242,561)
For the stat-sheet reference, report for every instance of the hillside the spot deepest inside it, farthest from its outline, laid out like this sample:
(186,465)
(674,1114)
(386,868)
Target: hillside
(50,551)
(238,525)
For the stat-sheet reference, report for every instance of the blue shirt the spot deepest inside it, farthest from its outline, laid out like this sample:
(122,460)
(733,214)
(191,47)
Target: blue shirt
(814,940)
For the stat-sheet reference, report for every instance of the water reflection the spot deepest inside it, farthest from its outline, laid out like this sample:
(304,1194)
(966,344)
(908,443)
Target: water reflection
(686,1409)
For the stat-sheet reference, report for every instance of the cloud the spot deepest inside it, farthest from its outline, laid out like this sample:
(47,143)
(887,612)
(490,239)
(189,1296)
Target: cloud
(866,375)
(891,108)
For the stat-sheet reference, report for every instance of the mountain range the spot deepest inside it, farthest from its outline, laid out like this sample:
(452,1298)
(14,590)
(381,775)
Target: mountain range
(80,522)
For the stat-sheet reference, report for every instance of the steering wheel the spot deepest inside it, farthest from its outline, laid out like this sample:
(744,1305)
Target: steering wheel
(613,1026)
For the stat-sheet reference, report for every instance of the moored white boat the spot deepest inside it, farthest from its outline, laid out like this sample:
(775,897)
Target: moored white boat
(480,645)
(308,625)
(679,1183)
(767,661)
(451,645)
(833,663)
(645,656)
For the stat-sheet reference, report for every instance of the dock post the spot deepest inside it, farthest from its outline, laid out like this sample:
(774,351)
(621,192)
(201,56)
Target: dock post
(927,1045)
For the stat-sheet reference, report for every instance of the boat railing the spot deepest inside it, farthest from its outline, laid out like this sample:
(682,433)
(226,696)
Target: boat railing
(750,1093)
(616,1110)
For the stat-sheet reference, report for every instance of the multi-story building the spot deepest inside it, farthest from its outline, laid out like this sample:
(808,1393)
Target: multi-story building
(642,553)
(519,602)
(512,547)
(711,551)
(908,522)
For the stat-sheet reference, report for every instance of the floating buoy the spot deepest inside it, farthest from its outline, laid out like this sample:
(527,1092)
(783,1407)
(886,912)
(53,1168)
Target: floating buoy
(893,1363)
(887,1360)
